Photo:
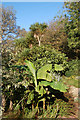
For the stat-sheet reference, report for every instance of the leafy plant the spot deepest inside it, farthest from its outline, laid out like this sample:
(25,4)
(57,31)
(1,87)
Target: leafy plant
(73,73)
(74,68)
(43,79)
(43,55)
(42,73)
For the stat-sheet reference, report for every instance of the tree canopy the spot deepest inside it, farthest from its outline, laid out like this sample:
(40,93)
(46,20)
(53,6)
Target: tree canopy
(38,31)
(72,24)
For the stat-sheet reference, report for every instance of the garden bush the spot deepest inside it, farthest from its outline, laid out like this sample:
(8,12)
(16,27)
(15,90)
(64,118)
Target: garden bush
(44,55)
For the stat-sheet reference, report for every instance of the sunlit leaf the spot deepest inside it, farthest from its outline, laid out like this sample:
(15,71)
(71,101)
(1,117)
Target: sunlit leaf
(58,67)
(43,72)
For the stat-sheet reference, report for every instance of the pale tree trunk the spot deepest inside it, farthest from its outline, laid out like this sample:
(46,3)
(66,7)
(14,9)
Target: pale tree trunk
(11,105)
(39,40)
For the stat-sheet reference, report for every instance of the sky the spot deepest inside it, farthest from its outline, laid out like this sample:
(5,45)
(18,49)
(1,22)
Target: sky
(28,13)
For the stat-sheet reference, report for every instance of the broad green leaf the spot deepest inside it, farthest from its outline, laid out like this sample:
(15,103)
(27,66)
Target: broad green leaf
(58,67)
(58,86)
(44,83)
(32,69)
(55,85)
(43,74)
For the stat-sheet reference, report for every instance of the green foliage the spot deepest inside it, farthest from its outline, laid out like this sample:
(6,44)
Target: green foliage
(30,39)
(64,108)
(59,109)
(74,68)
(30,113)
(72,73)
(43,74)
(21,43)
(58,67)
(49,113)
(32,69)
(30,97)
(24,42)
(44,55)
(42,91)
(72,24)
(38,27)
(72,80)
(55,85)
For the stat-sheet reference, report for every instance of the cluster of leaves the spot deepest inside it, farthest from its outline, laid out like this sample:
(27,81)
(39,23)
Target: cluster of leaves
(72,24)
(72,74)
(43,55)
(74,68)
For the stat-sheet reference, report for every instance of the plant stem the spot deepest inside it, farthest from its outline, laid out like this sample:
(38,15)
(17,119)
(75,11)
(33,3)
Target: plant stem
(44,105)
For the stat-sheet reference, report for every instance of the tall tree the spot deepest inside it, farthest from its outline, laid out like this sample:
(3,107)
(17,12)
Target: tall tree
(8,27)
(38,31)
(55,35)
(72,24)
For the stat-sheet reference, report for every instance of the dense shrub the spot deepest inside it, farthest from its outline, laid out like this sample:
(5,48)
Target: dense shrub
(44,55)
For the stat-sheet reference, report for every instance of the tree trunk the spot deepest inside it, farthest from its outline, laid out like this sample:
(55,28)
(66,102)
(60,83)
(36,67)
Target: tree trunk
(39,40)
(11,105)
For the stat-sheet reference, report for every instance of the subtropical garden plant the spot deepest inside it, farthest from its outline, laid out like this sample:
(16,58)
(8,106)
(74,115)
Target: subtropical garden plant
(43,81)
